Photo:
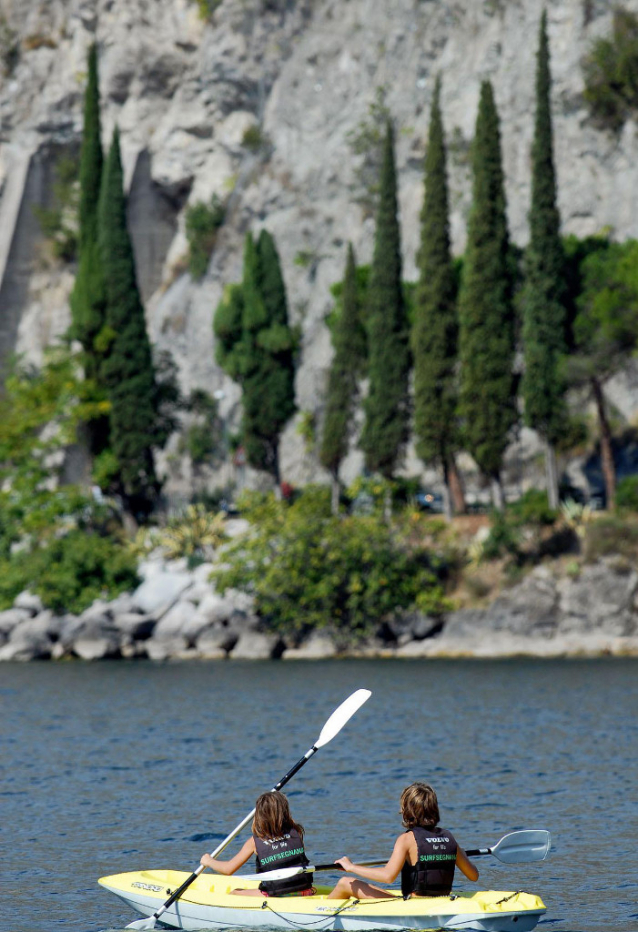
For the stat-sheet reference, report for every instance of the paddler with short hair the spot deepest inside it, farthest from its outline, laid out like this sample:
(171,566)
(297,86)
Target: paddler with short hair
(425,855)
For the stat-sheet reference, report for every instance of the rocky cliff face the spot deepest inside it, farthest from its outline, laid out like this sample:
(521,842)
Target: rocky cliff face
(303,73)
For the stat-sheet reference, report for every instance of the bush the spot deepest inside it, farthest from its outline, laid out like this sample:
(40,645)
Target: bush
(503,539)
(611,72)
(611,537)
(627,494)
(308,569)
(195,533)
(70,572)
(202,223)
(532,508)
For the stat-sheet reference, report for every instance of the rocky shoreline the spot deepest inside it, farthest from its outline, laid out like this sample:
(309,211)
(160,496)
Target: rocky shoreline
(176,614)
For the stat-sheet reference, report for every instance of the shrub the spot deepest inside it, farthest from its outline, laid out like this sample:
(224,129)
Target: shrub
(627,494)
(70,572)
(532,508)
(195,533)
(611,536)
(202,223)
(254,138)
(503,539)
(611,72)
(308,569)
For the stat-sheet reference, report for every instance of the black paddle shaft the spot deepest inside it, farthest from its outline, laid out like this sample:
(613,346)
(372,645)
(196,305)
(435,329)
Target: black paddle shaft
(293,770)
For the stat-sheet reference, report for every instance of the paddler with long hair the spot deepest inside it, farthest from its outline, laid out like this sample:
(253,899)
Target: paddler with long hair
(276,841)
(425,855)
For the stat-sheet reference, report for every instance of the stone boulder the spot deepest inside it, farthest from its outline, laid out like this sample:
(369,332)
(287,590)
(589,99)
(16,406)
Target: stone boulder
(319,646)
(30,602)
(160,591)
(256,645)
(97,639)
(11,618)
(600,601)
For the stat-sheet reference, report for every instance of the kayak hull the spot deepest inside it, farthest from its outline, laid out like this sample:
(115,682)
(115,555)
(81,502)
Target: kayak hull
(208,903)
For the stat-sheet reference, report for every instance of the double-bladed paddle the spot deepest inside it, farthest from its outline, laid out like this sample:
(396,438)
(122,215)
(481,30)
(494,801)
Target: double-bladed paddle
(333,726)
(515,848)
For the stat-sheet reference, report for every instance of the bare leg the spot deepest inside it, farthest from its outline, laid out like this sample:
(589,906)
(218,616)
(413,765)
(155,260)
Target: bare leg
(352,886)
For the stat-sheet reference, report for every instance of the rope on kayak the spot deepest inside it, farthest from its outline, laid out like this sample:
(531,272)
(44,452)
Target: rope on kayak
(308,925)
(506,898)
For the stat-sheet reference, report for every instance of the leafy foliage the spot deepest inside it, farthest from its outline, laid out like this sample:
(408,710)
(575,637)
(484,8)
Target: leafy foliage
(611,72)
(195,533)
(386,427)
(70,571)
(627,494)
(348,339)
(486,313)
(309,570)
(545,292)
(435,326)
(54,539)
(128,369)
(202,223)
(256,347)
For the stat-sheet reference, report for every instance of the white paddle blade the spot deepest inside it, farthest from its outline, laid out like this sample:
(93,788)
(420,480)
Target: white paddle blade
(342,715)
(283,873)
(523,846)
(142,924)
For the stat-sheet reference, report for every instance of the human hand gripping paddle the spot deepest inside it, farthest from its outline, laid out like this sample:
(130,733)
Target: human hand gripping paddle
(515,848)
(330,730)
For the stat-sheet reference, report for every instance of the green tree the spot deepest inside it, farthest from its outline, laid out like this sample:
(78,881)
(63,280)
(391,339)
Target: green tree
(348,338)
(88,298)
(604,334)
(435,324)
(544,294)
(487,402)
(256,347)
(385,431)
(128,371)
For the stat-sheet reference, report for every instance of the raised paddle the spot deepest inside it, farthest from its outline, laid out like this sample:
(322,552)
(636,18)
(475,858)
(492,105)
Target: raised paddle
(515,848)
(333,726)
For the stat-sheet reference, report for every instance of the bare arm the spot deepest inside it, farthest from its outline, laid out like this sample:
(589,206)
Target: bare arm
(229,867)
(389,872)
(465,865)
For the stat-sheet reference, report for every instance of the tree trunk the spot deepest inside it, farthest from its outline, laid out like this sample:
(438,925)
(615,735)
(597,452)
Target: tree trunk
(606,452)
(551,474)
(498,498)
(387,505)
(457,492)
(335,493)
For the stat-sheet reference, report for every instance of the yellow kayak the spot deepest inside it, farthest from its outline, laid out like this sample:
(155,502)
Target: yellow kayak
(209,904)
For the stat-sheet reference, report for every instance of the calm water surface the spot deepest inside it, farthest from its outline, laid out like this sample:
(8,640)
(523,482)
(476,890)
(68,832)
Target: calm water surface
(114,767)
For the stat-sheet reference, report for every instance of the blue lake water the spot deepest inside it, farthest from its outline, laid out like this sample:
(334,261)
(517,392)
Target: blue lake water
(113,767)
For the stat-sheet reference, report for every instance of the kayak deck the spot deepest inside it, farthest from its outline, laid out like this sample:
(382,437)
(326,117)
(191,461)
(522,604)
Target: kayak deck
(208,903)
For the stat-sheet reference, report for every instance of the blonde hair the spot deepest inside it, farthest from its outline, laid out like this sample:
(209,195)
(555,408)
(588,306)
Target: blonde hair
(272,816)
(419,806)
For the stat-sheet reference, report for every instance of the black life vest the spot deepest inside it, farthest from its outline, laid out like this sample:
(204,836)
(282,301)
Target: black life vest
(433,873)
(287,851)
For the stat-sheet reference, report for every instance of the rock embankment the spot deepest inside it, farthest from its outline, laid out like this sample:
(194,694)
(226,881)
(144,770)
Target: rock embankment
(177,614)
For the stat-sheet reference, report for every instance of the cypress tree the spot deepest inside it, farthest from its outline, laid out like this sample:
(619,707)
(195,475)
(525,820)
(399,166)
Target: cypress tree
(88,299)
(128,367)
(385,430)
(435,326)
(487,403)
(545,292)
(349,353)
(255,345)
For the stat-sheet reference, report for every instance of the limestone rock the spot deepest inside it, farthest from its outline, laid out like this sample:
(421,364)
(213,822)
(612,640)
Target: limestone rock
(319,646)
(255,645)
(29,602)
(160,591)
